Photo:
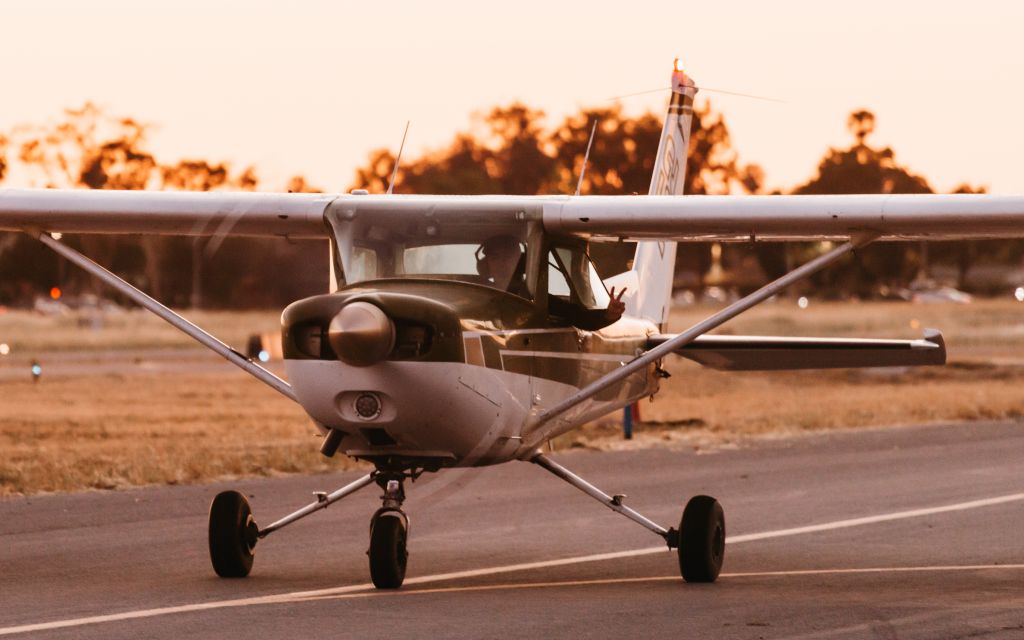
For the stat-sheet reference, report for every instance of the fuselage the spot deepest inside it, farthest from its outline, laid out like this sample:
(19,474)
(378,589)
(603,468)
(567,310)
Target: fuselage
(470,370)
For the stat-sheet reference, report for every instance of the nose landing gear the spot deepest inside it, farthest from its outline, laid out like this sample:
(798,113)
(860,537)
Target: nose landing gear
(389,531)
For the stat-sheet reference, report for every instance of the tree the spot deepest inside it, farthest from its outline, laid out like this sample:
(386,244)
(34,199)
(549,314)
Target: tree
(90,148)
(3,157)
(508,151)
(862,168)
(87,148)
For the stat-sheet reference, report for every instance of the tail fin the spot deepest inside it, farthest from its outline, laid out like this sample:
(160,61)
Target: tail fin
(655,262)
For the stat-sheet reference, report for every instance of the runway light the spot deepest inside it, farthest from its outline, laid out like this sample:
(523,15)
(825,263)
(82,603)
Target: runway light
(915,324)
(37,371)
(56,235)
(55,293)
(1019,294)
(264,356)
(5,349)
(803,302)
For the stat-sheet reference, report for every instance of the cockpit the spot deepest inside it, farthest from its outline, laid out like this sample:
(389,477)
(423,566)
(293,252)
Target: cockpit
(496,249)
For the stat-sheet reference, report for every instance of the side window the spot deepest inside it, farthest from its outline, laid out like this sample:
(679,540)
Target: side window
(558,285)
(571,275)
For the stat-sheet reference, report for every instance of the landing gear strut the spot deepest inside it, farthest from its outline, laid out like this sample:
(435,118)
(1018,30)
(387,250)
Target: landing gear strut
(699,541)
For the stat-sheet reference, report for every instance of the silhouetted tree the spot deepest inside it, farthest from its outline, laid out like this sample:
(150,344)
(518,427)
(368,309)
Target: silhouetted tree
(511,153)
(862,168)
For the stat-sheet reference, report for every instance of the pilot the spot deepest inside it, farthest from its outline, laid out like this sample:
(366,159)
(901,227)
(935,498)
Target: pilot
(501,262)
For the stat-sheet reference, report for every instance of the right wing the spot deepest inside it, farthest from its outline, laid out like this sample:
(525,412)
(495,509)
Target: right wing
(186,213)
(767,353)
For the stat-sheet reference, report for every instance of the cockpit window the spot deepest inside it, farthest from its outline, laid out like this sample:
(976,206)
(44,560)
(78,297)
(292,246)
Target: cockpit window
(377,246)
(439,259)
(573,278)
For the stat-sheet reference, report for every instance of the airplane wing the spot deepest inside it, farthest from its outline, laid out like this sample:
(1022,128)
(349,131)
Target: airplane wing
(295,215)
(771,353)
(893,217)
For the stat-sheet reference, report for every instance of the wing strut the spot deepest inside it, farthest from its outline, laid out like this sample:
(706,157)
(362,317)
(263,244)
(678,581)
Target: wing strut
(691,334)
(140,298)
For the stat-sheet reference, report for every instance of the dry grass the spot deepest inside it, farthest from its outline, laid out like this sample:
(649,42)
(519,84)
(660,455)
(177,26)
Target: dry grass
(32,333)
(705,408)
(104,432)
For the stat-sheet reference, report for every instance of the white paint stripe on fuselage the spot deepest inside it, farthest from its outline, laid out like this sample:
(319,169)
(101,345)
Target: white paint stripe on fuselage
(567,355)
(511,332)
(543,564)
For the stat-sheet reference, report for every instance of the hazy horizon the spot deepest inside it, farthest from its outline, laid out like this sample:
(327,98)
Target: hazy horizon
(313,90)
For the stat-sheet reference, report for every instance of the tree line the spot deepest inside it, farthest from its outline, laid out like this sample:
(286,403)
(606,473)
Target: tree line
(507,149)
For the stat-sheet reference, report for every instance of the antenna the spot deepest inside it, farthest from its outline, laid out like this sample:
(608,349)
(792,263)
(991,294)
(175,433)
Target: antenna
(586,156)
(700,88)
(398,158)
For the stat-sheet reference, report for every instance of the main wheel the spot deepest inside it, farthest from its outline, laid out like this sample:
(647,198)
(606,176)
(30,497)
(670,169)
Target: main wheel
(233,535)
(388,533)
(701,540)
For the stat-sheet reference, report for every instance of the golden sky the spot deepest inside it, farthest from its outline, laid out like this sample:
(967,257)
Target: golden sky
(310,87)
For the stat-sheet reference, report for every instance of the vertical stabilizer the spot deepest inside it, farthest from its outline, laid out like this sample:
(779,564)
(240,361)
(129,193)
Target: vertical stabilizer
(655,261)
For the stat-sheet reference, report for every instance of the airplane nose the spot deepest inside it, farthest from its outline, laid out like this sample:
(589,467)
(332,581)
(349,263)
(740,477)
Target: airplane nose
(361,334)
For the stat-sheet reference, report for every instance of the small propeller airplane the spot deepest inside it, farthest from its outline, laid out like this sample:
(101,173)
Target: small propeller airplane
(470,330)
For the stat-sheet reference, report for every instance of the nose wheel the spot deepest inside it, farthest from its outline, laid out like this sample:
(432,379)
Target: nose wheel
(389,531)
(388,555)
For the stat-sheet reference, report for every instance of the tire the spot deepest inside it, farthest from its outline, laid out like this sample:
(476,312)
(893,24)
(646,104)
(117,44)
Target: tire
(388,555)
(701,540)
(233,535)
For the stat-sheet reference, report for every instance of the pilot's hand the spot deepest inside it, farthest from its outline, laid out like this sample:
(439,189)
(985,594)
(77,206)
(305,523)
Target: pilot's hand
(616,307)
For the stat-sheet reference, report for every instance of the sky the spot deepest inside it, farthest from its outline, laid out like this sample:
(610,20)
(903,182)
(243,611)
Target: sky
(311,87)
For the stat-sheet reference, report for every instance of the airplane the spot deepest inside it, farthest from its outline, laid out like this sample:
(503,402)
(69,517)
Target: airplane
(468,331)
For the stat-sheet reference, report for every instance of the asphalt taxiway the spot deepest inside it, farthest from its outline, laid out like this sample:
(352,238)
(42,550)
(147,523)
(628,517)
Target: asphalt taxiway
(897,533)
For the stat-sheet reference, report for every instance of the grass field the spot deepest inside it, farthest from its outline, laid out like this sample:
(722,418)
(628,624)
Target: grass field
(113,431)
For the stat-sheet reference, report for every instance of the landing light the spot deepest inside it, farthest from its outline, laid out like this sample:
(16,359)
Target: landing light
(678,65)
(803,302)
(5,349)
(264,356)
(367,405)
(1019,294)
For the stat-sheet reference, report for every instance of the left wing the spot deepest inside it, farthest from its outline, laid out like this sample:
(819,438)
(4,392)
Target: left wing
(892,217)
(769,353)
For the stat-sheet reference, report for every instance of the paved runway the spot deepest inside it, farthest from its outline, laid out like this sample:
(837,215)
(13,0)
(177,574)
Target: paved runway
(902,533)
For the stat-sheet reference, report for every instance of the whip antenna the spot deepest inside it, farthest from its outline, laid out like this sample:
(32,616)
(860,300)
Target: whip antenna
(728,93)
(398,158)
(586,156)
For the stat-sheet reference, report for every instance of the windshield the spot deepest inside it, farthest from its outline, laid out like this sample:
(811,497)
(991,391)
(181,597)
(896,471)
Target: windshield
(484,252)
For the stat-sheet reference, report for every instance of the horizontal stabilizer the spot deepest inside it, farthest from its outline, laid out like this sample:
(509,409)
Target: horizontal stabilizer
(768,353)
